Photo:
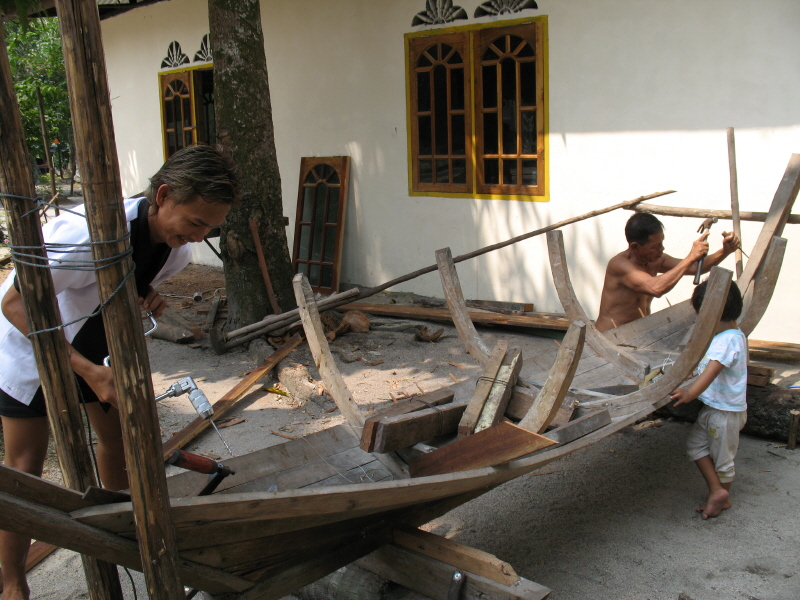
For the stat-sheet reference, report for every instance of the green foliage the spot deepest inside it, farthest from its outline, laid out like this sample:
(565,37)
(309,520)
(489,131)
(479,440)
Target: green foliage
(34,51)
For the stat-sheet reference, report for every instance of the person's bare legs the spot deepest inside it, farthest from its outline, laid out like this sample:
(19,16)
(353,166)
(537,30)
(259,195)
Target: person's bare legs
(26,449)
(110,448)
(718,496)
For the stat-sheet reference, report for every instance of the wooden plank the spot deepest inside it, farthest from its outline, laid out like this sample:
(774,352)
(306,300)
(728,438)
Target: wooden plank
(500,306)
(614,354)
(35,489)
(57,528)
(539,320)
(778,214)
(759,294)
(734,179)
(484,386)
(495,406)
(229,400)
(785,351)
(759,375)
(487,448)
(458,309)
(565,412)
(552,394)
(404,566)
(704,213)
(455,554)
(642,332)
(580,427)
(270,460)
(403,431)
(434,398)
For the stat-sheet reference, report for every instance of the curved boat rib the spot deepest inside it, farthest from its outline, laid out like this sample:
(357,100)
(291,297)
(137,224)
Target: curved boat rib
(328,370)
(763,286)
(458,308)
(625,362)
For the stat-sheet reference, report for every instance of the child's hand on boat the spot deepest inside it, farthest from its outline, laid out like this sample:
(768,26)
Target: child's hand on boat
(682,395)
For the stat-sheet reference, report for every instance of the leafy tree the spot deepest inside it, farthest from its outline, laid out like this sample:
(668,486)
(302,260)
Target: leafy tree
(36,59)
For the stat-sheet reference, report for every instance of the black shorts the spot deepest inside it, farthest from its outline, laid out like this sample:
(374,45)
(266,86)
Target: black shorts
(11,407)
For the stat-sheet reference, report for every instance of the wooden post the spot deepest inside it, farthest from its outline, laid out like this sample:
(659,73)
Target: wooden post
(36,286)
(737,227)
(97,159)
(46,144)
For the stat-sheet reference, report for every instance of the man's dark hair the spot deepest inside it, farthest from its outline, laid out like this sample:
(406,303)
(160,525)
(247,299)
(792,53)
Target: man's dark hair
(197,171)
(733,304)
(641,226)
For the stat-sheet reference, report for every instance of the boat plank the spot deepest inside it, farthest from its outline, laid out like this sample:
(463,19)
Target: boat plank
(489,447)
(495,406)
(479,396)
(403,431)
(580,427)
(441,396)
(626,334)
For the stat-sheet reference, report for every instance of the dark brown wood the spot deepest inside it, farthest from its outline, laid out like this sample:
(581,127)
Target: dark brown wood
(402,431)
(705,213)
(99,166)
(782,351)
(487,448)
(434,398)
(262,263)
(580,427)
(41,308)
(759,375)
(229,400)
(473,411)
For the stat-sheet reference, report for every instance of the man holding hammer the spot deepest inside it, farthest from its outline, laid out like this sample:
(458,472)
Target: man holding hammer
(642,272)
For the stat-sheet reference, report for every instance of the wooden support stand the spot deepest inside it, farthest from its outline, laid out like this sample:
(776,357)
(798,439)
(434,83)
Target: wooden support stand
(36,285)
(425,562)
(98,163)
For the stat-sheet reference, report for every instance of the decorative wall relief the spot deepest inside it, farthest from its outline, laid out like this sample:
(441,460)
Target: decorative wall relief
(204,54)
(438,12)
(175,57)
(499,7)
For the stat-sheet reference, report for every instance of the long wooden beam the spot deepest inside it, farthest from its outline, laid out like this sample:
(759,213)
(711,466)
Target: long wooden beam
(704,213)
(90,103)
(42,313)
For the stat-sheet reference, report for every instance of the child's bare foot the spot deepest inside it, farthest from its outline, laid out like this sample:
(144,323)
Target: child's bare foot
(716,503)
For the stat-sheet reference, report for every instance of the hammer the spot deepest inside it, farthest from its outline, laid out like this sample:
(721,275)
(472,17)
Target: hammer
(704,226)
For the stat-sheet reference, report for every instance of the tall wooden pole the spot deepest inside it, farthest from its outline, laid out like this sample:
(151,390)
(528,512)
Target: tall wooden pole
(50,348)
(97,160)
(737,227)
(46,145)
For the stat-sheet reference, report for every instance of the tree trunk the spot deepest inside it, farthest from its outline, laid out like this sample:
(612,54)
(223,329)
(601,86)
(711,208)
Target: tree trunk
(244,127)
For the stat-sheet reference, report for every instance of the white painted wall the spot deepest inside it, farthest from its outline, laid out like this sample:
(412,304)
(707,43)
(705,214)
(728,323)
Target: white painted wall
(641,92)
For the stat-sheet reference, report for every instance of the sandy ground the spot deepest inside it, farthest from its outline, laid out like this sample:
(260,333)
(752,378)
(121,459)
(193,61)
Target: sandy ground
(615,520)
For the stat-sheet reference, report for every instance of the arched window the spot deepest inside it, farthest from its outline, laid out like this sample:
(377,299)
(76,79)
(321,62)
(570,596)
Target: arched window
(187,103)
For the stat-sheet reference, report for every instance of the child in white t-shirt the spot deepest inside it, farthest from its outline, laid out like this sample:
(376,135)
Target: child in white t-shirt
(722,386)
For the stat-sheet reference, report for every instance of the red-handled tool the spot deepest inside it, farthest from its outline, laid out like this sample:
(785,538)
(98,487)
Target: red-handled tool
(216,471)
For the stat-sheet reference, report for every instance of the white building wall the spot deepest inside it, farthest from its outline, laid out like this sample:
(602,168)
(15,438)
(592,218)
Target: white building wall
(640,91)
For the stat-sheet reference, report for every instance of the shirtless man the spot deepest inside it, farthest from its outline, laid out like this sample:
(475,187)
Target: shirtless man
(632,276)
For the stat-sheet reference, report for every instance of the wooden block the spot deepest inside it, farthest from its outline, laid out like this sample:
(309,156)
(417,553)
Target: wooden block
(405,567)
(487,448)
(173,318)
(434,398)
(458,555)
(759,376)
(495,406)
(475,406)
(580,427)
(401,431)
(520,402)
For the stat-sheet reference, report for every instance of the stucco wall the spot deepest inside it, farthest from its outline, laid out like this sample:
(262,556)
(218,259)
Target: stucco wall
(640,91)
